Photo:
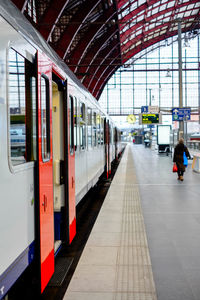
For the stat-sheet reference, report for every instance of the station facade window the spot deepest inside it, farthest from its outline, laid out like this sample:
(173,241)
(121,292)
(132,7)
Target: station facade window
(21,109)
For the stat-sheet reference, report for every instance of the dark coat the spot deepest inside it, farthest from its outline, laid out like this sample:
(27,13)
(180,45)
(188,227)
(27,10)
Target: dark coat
(178,156)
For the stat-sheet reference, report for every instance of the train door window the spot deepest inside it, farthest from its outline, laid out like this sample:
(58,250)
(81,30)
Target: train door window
(89,127)
(75,123)
(78,124)
(21,109)
(111,134)
(82,126)
(94,129)
(45,118)
(71,124)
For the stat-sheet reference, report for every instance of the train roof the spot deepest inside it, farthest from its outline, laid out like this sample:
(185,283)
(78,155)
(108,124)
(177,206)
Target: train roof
(19,22)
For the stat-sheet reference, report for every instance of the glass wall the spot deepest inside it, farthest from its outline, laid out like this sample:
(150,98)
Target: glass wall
(152,79)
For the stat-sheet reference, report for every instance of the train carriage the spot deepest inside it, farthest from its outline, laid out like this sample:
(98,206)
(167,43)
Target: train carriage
(55,143)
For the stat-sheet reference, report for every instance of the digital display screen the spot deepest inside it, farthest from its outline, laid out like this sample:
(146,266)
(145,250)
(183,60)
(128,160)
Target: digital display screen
(150,118)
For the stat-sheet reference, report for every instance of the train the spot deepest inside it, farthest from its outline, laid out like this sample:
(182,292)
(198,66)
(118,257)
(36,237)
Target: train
(56,141)
(195,136)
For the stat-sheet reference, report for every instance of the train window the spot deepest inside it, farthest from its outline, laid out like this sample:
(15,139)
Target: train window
(82,111)
(71,124)
(99,129)
(111,134)
(89,127)
(102,131)
(22,109)
(45,118)
(32,133)
(82,136)
(94,129)
(82,126)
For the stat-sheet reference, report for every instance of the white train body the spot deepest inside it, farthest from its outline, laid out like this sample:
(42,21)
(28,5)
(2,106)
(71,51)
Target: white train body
(22,171)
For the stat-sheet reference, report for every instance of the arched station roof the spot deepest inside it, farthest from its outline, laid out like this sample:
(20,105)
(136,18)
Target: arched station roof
(96,37)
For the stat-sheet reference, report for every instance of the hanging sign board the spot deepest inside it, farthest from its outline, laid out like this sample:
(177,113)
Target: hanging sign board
(153,109)
(144,109)
(181,114)
(150,118)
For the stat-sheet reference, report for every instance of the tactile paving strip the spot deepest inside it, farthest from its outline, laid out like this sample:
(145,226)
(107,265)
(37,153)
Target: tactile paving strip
(115,264)
(134,278)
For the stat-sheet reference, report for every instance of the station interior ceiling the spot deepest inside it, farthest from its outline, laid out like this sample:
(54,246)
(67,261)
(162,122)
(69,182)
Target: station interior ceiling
(96,37)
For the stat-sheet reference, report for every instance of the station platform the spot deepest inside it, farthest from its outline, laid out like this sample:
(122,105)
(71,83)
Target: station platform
(145,244)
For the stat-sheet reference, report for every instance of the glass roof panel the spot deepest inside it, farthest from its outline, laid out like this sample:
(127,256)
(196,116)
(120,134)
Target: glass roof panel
(149,13)
(140,18)
(162,7)
(160,20)
(152,25)
(195,11)
(155,10)
(190,6)
(140,2)
(171,4)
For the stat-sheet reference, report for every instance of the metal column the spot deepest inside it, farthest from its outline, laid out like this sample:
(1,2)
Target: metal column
(181,125)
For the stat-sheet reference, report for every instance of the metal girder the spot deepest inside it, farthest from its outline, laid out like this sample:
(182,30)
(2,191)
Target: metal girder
(71,30)
(121,3)
(84,36)
(89,60)
(100,90)
(104,78)
(85,42)
(50,17)
(21,4)
(105,54)
(107,63)
(106,59)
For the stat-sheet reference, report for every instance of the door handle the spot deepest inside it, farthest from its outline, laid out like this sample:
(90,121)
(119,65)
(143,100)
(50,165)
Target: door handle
(44,203)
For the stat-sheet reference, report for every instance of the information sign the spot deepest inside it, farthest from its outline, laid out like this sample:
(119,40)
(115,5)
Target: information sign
(149,118)
(181,114)
(144,109)
(153,109)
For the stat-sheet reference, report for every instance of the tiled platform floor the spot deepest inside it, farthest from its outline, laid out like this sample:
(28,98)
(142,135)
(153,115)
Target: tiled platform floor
(116,263)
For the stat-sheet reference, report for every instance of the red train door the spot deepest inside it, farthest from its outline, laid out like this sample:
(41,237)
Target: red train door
(45,170)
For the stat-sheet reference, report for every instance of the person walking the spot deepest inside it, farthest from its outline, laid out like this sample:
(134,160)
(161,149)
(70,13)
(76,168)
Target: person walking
(178,158)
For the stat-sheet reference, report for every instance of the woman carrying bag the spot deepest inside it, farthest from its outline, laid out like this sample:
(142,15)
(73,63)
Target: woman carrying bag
(180,158)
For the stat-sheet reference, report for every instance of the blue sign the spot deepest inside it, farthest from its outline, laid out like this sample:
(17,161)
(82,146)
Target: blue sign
(181,114)
(144,109)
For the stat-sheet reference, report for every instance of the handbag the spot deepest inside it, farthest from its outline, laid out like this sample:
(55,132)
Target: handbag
(175,169)
(185,160)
